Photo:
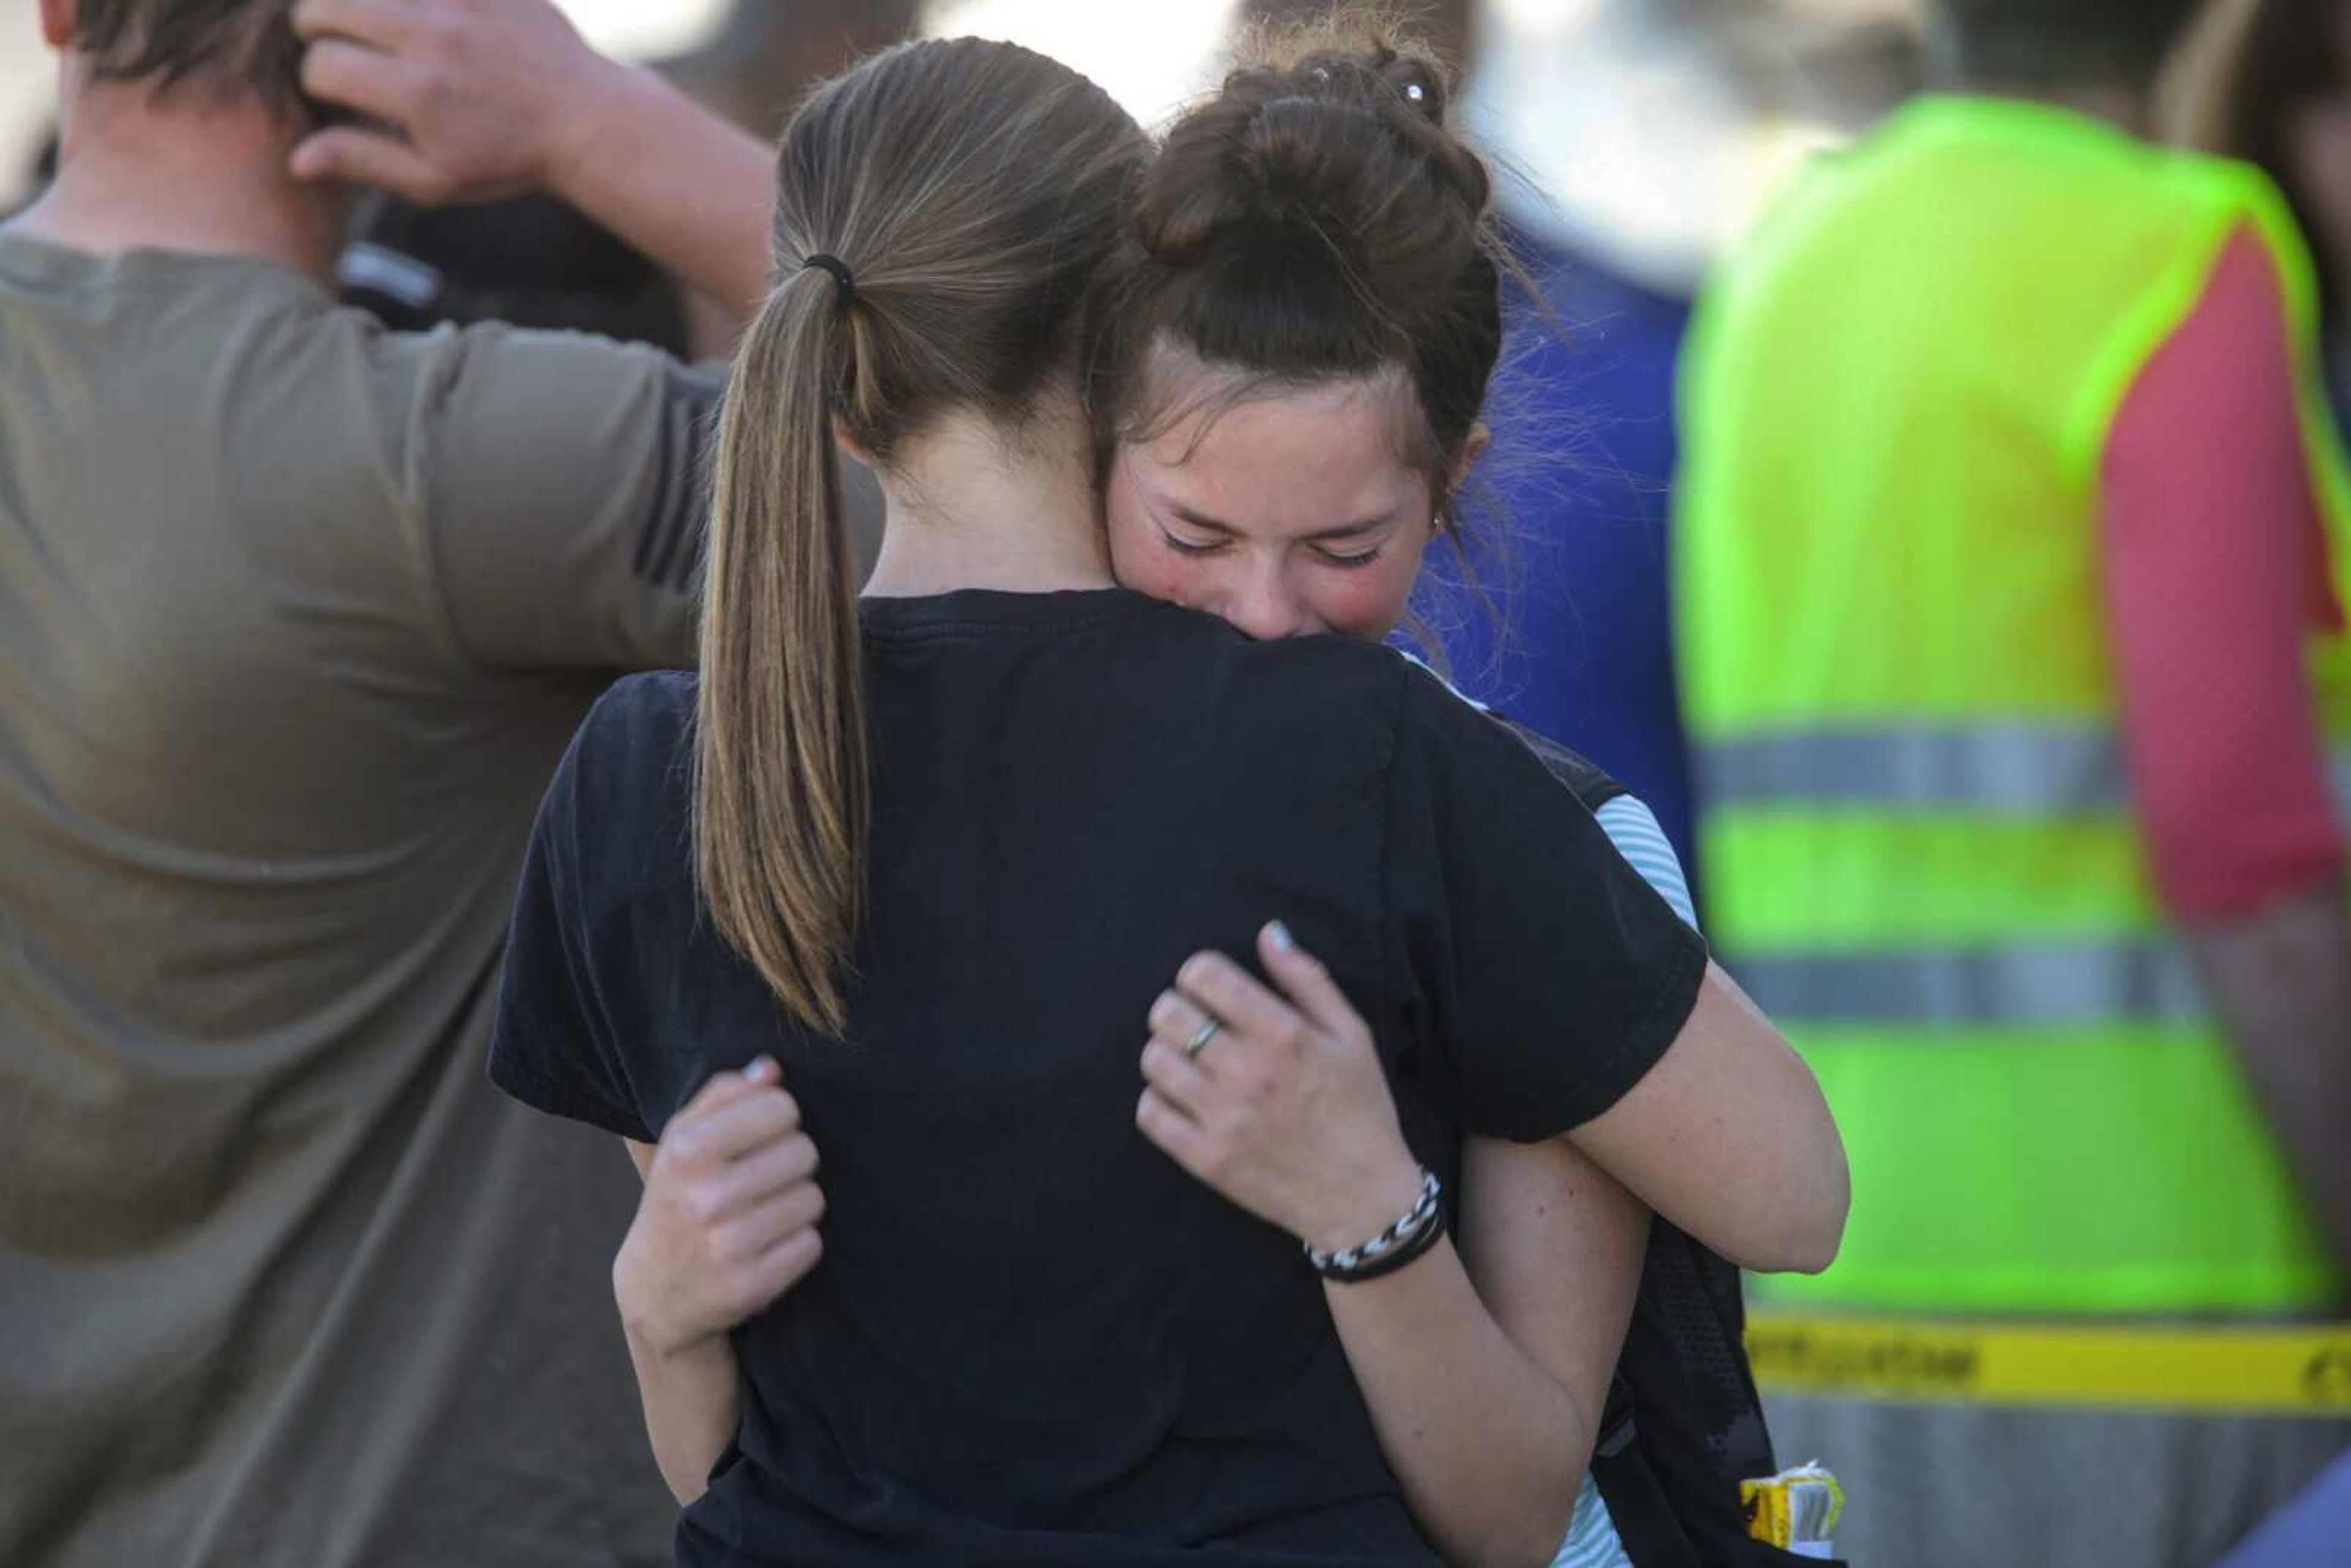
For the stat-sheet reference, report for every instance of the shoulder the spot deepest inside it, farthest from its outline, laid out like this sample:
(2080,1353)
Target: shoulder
(642,729)
(1443,715)
(2193,205)
(1588,783)
(2203,186)
(1324,667)
(656,702)
(1637,834)
(306,363)
(1321,683)
(577,381)
(1302,720)
(1630,826)
(630,773)
(1583,777)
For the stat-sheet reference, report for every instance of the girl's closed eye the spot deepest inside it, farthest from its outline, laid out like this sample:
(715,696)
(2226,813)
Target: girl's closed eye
(1183,546)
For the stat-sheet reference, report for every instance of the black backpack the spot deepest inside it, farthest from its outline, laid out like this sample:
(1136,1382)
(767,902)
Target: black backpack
(1683,1425)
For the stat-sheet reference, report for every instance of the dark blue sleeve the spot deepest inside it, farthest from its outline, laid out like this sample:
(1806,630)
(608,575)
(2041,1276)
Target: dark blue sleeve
(557,1046)
(1534,962)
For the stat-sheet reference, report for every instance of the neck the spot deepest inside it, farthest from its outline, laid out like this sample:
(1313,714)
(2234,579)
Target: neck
(969,508)
(136,171)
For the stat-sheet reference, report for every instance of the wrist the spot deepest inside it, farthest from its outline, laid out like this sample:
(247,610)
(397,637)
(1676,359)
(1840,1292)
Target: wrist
(651,1340)
(601,98)
(649,1330)
(1372,1206)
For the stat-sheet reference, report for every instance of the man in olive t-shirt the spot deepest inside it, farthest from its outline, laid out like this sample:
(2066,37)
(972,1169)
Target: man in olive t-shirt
(296,618)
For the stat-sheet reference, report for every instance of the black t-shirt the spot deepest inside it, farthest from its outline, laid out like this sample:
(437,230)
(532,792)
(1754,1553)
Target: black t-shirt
(1033,1339)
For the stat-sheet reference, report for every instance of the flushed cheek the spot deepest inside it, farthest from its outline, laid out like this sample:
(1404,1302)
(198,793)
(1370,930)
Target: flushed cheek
(1158,572)
(1366,602)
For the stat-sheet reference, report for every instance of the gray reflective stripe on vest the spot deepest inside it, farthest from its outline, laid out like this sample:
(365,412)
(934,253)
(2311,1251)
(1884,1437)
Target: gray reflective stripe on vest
(2013,770)
(2045,986)
(2026,769)
(2023,771)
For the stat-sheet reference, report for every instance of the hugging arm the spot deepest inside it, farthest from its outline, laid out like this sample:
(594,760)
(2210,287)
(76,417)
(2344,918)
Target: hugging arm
(726,1225)
(689,1390)
(1729,1137)
(1487,1373)
(1571,997)
(1484,1368)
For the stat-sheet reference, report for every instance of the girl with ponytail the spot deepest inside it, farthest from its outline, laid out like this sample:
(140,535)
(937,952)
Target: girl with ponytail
(898,877)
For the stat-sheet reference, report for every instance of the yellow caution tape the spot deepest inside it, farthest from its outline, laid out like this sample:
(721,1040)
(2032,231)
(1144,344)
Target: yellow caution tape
(2301,1371)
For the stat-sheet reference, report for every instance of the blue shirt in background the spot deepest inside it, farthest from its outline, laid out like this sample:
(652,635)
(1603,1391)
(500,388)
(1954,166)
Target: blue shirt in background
(1584,452)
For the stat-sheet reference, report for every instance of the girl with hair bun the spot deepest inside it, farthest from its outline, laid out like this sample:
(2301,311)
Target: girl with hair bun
(1297,343)
(898,878)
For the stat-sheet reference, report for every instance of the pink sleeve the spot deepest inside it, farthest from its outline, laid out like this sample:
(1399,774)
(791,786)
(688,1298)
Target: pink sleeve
(2216,573)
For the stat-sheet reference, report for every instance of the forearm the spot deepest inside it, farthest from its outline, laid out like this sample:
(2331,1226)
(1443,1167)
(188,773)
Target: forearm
(2279,981)
(693,1406)
(464,100)
(689,189)
(1782,1119)
(1491,1449)
(1729,1138)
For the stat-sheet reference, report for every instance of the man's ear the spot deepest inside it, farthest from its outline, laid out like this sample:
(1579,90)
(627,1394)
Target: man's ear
(59,24)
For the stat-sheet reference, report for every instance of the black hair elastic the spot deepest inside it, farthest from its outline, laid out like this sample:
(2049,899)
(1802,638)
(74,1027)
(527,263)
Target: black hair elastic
(845,285)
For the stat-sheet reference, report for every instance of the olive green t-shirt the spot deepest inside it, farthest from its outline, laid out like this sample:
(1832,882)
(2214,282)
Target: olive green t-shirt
(295,619)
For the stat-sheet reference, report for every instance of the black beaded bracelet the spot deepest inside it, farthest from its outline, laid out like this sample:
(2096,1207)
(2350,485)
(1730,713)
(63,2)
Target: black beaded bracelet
(1411,1234)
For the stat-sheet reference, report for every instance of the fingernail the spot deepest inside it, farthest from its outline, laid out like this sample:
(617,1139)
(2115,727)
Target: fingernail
(1278,935)
(761,1070)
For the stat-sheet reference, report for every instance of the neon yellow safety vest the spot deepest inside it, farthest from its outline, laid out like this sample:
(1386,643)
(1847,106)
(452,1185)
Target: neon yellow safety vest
(1919,850)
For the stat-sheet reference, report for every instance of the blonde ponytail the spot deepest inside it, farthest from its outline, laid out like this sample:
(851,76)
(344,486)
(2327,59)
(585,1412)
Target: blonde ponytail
(780,784)
(974,187)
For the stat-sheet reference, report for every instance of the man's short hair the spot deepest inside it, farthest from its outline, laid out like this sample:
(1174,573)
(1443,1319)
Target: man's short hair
(231,48)
(2113,43)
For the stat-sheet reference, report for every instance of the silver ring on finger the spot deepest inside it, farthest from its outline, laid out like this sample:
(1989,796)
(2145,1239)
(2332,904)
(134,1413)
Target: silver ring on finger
(1201,1036)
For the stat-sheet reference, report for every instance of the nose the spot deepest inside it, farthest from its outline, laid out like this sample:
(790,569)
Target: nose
(1265,608)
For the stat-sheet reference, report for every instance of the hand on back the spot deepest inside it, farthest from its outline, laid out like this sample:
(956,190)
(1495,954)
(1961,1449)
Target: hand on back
(728,1219)
(1284,1107)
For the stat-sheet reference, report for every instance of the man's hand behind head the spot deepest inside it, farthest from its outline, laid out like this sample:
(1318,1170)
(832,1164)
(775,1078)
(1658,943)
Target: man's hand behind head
(456,101)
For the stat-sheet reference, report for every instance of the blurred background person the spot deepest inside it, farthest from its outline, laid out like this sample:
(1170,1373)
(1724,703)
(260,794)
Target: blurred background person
(2009,519)
(295,616)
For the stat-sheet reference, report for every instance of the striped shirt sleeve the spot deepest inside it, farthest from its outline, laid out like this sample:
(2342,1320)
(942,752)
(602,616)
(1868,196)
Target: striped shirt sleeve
(1632,828)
